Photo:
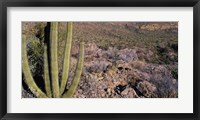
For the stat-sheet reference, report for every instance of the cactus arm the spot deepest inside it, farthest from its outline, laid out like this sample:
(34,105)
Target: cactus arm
(53,58)
(46,73)
(27,72)
(66,61)
(78,73)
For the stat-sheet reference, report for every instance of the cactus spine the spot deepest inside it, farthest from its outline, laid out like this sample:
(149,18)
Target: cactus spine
(51,78)
(66,61)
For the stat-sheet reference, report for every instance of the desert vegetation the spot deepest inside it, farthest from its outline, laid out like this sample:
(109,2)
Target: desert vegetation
(50,67)
(121,59)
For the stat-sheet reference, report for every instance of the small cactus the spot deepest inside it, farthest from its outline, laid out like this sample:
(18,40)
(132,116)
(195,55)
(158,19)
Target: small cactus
(52,87)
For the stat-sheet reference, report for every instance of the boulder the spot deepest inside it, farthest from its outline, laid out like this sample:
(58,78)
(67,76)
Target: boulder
(97,65)
(127,55)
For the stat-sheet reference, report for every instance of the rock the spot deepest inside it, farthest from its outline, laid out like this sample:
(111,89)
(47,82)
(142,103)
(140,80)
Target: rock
(121,65)
(109,91)
(144,54)
(119,88)
(129,93)
(138,64)
(109,54)
(127,55)
(106,70)
(146,88)
(97,65)
(26,94)
(162,78)
(174,81)
(90,48)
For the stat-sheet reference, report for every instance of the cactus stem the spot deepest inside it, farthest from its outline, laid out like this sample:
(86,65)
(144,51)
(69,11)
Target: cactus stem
(27,72)
(53,58)
(78,73)
(46,73)
(66,61)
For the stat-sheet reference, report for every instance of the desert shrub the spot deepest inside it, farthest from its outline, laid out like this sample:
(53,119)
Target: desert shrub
(35,55)
(175,47)
(103,45)
(174,73)
(168,54)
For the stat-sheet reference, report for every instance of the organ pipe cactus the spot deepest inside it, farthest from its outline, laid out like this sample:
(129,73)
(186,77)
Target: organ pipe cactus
(46,73)
(66,58)
(78,72)
(53,58)
(27,72)
(52,87)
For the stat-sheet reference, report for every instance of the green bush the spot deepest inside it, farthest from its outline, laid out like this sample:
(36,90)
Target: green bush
(174,73)
(35,55)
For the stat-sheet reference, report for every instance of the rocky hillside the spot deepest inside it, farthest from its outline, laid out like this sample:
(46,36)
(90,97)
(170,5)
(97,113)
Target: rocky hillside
(119,73)
(122,60)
